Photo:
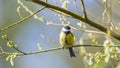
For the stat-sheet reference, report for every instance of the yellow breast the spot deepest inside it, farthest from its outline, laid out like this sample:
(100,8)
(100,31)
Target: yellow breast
(66,39)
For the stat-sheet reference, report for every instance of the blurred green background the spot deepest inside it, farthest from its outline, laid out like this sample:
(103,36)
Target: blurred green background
(29,33)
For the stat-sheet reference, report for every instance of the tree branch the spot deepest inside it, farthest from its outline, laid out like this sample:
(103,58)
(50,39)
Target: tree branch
(83,9)
(52,49)
(76,16)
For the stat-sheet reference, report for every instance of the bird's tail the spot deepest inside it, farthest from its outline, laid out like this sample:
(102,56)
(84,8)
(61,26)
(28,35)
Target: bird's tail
(72,54)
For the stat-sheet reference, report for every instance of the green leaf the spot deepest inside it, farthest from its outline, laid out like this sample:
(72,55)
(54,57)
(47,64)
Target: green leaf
(10,44)
(11,62)
(98,61)
(8,58)
(39,47)
(82,51)
(42,19)
(107,58)
(91,61)
(64,4)
(4,37)
(102,64)
(16,46)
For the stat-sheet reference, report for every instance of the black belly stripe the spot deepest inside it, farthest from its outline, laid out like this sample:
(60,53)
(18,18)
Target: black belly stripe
(67,32)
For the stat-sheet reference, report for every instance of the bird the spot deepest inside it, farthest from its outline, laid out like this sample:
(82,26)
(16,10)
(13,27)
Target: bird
(66,38)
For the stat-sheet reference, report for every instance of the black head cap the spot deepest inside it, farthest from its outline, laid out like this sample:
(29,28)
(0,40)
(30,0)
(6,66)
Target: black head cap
(67,27)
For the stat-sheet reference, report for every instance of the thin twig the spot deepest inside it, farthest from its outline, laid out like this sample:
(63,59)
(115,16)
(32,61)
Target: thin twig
(19,50)
(88,31)
(13,46)
(76,7)
(83,9)
(1,50)
(20,21)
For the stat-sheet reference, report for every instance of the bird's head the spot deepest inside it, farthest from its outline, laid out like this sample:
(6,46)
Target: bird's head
(66,28)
